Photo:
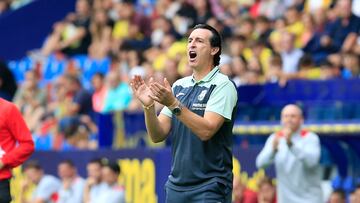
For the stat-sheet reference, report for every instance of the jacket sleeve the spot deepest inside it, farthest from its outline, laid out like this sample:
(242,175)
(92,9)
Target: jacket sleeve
(308,152)
(267,154)
(24,143)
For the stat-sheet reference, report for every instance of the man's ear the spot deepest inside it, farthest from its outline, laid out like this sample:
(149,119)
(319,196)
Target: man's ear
(214,50)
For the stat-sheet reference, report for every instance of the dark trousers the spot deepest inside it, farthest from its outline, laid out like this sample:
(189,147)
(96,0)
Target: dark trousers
(212,193)
(5,196)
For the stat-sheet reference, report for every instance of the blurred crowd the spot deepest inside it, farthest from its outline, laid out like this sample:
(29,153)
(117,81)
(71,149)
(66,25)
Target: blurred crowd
(100,185)
(104,43)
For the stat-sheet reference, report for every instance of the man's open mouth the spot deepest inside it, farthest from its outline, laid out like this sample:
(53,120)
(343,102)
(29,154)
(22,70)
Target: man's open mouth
(192,54)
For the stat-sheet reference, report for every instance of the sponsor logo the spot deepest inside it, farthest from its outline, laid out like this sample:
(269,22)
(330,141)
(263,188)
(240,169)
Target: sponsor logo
(202,95)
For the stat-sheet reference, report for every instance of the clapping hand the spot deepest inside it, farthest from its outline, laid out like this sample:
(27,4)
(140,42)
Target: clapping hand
(162,93)
(141,91)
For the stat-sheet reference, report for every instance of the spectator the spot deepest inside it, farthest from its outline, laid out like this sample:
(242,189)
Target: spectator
(239,67)
(242,194)
(246,29)
(276,35)
(275,74)
(258,52)
(71,190)
(203,11)
(237,44)
(351,66)
(100,30)
(296,155)
(92,186)
(184,18)
(47,186)
(308,70)
(132,27)
(294,25)
(263,30)
(100,92)
(80,133)
(337,196)
(267,191)
(272,9)
(289,54)
(329,71)
(309,29)
(336,32)
(161,27)
(119,93)
(71,36)
(110,191)
(81,103)
(31,100)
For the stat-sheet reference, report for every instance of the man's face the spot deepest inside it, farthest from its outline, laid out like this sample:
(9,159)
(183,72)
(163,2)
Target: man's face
(109,176)
(94,170)
(65,171)
(33,175)
(199,48)
(291,117)
(344,8)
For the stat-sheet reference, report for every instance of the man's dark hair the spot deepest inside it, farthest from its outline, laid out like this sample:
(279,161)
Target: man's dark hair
(32,164)
(68,162)
(114,166)
(215,40)
(97,161)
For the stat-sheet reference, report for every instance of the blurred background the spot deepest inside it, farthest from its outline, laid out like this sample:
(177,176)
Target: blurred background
(66,64)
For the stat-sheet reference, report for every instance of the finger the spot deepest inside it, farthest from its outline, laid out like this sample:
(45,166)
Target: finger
(167,84)
(151,80)
(154,91)
(159,87)
(156,87)
(132,87)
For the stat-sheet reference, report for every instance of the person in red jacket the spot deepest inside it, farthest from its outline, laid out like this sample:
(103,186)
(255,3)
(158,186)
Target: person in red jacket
(16,145)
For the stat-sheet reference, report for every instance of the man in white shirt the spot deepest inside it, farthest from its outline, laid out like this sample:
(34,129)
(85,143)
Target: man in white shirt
(108,190)
(111,191)
(47,186)
(296,155)
(72,187)
(93,185)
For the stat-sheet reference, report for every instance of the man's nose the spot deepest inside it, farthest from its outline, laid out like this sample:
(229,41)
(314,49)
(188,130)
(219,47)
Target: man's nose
(192,44)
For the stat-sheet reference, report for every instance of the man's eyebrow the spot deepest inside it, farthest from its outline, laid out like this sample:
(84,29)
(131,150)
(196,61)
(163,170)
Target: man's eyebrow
(198,37)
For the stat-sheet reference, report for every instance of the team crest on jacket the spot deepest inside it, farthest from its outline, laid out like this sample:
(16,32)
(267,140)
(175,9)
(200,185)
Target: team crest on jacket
(202,95)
